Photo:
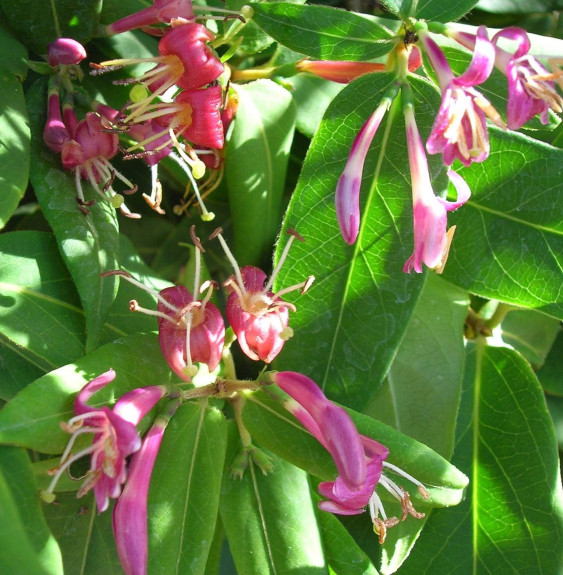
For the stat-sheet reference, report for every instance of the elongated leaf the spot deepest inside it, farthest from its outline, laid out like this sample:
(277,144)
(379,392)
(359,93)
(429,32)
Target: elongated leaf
(40,313)
(85,537)
(32,418)
(509,239)
(16,371)
(89,244)
(257,156)
(349,325)
(38,23)
(513,516)
(271,426)
(184,490)
(265,516)
(428,369)
(341,551)
(14,130)
(323,32)
(15,470)
(430,9)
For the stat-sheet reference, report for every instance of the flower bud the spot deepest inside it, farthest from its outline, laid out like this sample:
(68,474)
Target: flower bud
(65,51)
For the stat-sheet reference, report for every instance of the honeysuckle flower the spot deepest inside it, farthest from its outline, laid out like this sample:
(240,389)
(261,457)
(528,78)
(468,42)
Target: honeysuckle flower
(258,316)
(161,11)
(347,196)
(460,129)
(115,438)
(531,89)
(189,330)
(337,70)
(359,460)
(65,51)
(87,154)
(55,133)
(431,240)
(130,511)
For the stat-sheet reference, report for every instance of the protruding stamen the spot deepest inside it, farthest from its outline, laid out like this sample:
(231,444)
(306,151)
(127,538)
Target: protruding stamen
(303,286)
(134,306)
(196,240)
(280,262)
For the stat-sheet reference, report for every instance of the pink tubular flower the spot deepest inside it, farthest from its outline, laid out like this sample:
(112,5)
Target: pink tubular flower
(160,11)
(431,241)
(359,459)
(55,133)
(65,51)
(130,511)
(338,71)
(347,196)
(189,330)
(460,129)
(115,437)
(531,89)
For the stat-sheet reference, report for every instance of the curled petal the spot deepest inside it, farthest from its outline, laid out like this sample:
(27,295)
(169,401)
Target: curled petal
(482,63)
(80,403)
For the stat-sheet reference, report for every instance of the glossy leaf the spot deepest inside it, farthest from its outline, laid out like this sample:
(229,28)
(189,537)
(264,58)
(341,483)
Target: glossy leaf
(509,239)
(531,333)
(14,129)
(430,9)
(32,418)
(89,244)
(257,156)
(16,473)
(512,517)
(322,33)
(85,537)
(278,515)
(341,551)
(428,369)
(359,289)
(550,373)
(37,22)
(271,426)
(16,371)
(184,490)
(40,313)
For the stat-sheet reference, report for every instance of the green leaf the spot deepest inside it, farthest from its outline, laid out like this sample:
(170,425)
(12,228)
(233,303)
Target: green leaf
(550,373)
(16,472)
(341,550)
(530,333)
(515,6)
(85,537)
(428,369)
(429,9)
(14,129)
(16,371)
(184,490)
(278,515)
(121,320)
(512,518)
(509,238)
(274,428)
(40,313)
(38,22)
(256,163)
(89,244)
(348,326)
(32,418)
(323,32)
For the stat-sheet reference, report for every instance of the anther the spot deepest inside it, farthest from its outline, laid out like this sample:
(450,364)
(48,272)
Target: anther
(196,240)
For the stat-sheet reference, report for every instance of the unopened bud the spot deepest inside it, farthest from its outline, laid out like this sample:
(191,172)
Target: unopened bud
(65,51)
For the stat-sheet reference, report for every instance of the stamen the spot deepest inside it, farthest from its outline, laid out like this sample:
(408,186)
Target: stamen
(303,286)
(134,306)
(280,263)
(127,276)
(404,474)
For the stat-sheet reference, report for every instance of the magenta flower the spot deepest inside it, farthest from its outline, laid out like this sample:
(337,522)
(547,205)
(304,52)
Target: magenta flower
(189,330)
(115,437)
(347,197)
(531,89)
(258,318)
(130,511)
(431,240)
(460,129)
(55,133)
(359,459)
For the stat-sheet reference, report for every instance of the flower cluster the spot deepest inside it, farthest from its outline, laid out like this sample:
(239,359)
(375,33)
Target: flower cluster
(459,131)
